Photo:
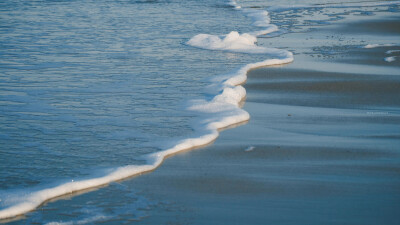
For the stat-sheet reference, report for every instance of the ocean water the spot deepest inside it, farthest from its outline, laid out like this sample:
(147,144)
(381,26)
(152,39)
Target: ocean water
(93,92)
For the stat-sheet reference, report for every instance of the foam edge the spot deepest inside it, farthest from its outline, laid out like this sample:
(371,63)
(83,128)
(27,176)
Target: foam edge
(36,199)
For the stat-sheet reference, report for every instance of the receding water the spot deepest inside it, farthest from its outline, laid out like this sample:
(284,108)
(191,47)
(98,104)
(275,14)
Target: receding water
(90,86)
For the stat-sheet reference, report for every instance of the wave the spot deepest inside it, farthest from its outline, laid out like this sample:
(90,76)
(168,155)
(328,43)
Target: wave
(221,111)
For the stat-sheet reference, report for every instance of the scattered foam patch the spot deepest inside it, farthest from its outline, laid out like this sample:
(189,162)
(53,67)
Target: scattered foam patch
(387,59)
(390,59)
(249,149)
(234,4)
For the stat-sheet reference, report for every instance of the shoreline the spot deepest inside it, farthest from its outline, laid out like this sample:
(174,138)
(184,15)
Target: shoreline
(155,160)
(289,170)
(324,162)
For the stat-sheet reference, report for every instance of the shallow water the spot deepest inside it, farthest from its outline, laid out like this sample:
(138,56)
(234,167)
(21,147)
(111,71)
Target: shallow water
(90,86)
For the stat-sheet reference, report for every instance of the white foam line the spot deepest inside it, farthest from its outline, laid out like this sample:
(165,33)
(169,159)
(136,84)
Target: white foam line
(232,94)
(392,51)
(225,110)
(378,45)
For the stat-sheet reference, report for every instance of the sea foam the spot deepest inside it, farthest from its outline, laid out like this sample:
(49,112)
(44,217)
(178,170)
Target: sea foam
(234,4)
(221,111)
(234,42)
(378,45)
(390,58)
(392,51)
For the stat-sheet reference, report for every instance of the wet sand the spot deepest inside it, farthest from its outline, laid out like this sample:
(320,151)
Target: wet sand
(322,147)
(323,89)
